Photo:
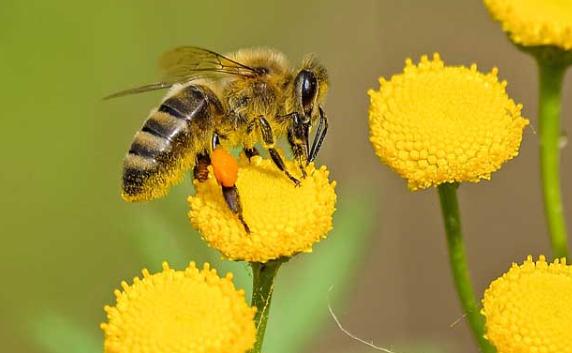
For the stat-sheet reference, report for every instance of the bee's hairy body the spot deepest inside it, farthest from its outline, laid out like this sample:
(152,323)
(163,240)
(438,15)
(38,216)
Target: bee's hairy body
(180,131)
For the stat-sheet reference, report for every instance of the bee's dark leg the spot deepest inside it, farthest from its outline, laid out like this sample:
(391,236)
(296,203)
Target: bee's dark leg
(280,164)
(320,135)
(230,194)
(251,152)
(268,139)
(202,162)
(299,150)
(232,199)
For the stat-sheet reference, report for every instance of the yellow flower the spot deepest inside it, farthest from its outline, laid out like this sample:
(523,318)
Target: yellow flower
(529,309)
(434,124)
(179,312)
(535,22)
(283,219)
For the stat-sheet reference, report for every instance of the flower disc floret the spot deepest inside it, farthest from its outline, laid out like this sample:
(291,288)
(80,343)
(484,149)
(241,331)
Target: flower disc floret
(188,311)
(284,219)
(535,22)
(434,124)
(529,308)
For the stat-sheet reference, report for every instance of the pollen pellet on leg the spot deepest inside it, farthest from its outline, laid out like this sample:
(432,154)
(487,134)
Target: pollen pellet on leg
(225,167)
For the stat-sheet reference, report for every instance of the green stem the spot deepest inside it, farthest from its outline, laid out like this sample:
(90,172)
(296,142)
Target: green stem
(458,262)
(551,76)
(262,288)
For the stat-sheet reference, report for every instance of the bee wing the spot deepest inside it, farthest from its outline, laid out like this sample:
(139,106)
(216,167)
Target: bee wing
(184,64)
(145,88)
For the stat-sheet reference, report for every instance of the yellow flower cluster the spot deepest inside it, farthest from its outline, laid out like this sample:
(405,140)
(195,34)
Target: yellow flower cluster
(435,124)
(188,311)
(535,22)
(529,309)
(283,219)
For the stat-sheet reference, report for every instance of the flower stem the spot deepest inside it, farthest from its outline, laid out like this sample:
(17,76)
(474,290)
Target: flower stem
(263,275)
(551,75)
(458,262)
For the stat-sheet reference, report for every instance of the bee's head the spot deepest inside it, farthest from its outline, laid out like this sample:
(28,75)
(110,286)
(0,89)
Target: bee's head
(308,92)
(310,88)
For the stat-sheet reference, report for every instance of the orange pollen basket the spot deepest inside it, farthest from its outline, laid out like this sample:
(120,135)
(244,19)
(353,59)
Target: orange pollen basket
(225,167)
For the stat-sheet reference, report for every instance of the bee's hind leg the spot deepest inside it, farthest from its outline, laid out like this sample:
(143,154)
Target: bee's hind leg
(232,199)
(268,139)
(229,193)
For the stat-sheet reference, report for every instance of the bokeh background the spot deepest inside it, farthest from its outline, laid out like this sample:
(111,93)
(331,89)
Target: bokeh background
(68,239)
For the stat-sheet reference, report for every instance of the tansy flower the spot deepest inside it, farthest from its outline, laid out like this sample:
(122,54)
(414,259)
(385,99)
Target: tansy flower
(283,219)
(179,312)
(535,22)
(529,309)
(437,124)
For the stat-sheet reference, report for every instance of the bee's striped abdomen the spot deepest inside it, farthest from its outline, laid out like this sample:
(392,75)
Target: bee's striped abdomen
(167,143)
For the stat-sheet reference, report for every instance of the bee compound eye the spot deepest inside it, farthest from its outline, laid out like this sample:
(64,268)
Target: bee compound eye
(308,88)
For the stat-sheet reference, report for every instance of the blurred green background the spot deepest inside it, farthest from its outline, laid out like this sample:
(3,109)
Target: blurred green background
(68,239)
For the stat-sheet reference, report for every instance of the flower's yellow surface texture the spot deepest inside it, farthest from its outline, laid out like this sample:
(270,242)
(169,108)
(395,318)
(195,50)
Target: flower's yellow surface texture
(535,22)
(529,309)
(186,311)
(434,123)
(283,219)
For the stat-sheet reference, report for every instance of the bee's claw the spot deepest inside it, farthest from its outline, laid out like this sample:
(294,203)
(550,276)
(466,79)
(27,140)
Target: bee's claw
(246,227)
(296,182)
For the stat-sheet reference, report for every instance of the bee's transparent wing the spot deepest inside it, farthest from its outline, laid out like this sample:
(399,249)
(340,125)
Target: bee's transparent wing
(145,88)
(184,64)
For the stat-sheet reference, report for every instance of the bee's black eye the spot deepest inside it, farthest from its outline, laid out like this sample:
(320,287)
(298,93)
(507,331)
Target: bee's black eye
(307,86)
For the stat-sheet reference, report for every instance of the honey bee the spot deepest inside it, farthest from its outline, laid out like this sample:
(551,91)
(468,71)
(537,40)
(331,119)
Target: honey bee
(247,97)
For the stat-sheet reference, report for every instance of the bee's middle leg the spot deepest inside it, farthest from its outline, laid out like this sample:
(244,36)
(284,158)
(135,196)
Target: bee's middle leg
(268,139)
(202,162)
(251,152)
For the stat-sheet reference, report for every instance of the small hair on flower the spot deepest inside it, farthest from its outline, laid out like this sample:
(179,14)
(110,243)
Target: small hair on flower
(187,311)
(284,219)
(535,22)
(529,308)
(435,124)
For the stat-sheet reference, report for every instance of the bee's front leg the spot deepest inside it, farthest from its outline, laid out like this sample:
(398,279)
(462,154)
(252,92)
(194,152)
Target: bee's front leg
(298,133)
(299,151)
(268,139)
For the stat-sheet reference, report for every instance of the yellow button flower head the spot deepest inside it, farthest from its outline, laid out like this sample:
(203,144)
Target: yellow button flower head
(434,124)
(529,309)
(283,219)
(186,311)
(535,22)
